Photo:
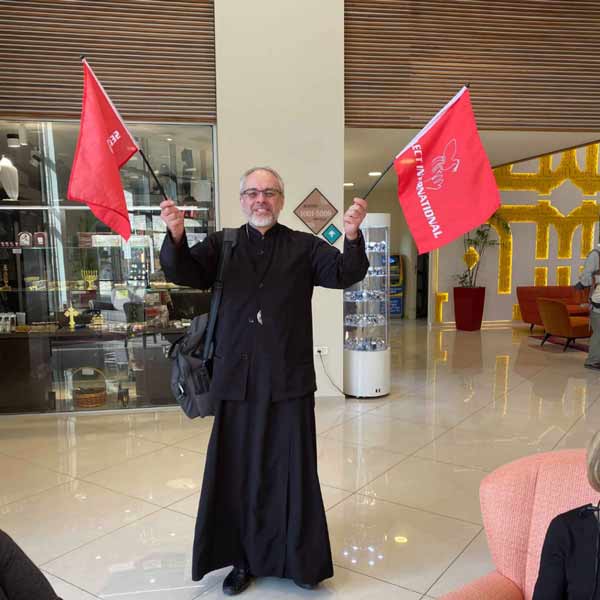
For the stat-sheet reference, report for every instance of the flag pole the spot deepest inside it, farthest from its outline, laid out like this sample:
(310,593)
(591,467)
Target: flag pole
(467,85)
(364,197)
(156,180)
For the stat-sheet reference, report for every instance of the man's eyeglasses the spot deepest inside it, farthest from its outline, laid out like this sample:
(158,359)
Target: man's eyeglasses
(253,193)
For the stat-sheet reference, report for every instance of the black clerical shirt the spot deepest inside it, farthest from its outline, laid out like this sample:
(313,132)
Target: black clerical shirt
(269,284)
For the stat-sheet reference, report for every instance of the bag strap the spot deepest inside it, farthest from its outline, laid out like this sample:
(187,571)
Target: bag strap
(229,241)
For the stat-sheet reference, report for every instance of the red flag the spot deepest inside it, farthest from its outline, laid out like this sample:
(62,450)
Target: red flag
(103,147)
(446,185)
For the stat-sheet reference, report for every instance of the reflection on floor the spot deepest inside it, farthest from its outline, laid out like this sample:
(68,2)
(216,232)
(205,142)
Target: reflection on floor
(105,504)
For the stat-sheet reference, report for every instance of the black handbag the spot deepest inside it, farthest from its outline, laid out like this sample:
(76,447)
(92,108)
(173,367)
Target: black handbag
(192,353)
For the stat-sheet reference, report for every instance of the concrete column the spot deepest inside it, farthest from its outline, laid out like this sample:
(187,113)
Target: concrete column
(280,102)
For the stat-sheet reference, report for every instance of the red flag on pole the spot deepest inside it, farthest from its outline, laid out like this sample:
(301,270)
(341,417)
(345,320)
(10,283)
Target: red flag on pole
(446,185)
(103,147)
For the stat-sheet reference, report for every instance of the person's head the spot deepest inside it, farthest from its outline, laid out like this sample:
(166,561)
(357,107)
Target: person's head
(261,196)
(593,461)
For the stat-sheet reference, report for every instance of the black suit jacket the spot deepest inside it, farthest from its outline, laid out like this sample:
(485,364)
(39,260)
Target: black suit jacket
(299,262)
(568,559)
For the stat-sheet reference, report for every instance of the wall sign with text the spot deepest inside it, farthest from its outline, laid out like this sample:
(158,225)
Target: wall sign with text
(315,211)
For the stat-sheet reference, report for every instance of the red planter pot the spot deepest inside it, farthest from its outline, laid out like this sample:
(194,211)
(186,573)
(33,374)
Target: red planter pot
(468,307)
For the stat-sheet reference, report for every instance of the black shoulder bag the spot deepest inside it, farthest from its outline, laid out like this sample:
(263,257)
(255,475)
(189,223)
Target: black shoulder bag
(192,354)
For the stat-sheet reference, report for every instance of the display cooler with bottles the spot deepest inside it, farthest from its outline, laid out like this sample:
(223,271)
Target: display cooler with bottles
(367,354)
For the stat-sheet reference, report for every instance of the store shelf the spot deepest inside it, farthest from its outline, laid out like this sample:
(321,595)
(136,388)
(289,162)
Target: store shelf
(365,344)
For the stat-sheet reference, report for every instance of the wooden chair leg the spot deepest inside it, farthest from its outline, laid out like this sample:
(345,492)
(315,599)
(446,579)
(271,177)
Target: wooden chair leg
(531,327)
(569,340)
(546,336)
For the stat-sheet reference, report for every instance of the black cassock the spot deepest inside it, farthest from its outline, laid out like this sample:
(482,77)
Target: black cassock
(261,504)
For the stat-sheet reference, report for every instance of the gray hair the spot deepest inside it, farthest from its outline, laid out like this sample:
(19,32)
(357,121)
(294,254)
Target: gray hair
(593,461)
(269,170)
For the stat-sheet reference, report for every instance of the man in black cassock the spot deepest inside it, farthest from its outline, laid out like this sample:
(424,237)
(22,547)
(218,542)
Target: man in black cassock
(261,508)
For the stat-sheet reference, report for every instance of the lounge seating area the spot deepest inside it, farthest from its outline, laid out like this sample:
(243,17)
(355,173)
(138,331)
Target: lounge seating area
(574,300)
(562,311)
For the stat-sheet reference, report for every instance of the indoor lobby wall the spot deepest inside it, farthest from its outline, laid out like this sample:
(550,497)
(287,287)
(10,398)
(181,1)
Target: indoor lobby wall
(559,190)
(280,102)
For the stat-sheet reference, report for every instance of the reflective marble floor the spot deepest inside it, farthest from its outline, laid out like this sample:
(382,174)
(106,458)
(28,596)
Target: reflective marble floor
(105,503)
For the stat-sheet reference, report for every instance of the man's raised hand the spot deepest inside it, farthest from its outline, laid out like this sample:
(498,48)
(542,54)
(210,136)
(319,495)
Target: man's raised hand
(173,218)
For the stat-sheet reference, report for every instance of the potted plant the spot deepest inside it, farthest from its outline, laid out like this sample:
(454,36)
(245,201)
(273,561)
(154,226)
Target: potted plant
(469,298)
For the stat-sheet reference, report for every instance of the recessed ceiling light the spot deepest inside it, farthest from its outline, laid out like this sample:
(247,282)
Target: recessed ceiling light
(374,173)
(348,184)
(169,139)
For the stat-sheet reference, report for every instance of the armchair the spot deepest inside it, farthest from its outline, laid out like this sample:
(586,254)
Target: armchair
(558,322)
(518,501)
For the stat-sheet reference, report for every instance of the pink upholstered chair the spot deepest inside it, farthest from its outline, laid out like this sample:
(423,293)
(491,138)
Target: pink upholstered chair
(518,501)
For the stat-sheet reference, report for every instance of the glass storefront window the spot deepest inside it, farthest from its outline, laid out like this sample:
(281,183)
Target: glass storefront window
(55,254)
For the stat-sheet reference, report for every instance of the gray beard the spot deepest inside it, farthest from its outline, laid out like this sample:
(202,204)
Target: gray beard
(263,221)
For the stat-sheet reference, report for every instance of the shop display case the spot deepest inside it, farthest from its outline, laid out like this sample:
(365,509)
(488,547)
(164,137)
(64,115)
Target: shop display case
(367,352)
(56,256)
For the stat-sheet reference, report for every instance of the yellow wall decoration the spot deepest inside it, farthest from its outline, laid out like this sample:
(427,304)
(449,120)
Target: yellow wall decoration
(516,313)
(544,215)
(541,276)
(440,299)
(563,275)
(505,256)
(546,179)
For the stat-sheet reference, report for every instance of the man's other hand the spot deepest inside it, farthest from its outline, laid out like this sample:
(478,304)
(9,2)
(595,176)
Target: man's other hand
(353,217)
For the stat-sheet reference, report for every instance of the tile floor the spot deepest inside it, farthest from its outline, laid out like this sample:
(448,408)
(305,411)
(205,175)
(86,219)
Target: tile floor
(105,503)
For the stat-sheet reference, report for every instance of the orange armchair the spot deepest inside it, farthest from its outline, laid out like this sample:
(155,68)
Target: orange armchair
(557,321)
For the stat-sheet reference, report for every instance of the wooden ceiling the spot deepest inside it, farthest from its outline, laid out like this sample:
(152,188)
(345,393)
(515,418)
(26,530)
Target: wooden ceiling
(532,65)
(156,58)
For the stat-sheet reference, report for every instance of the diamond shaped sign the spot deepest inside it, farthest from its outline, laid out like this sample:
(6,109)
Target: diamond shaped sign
(332,234)
(315,211)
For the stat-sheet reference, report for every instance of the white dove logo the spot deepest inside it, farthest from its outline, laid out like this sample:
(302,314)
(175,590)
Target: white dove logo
(447,162)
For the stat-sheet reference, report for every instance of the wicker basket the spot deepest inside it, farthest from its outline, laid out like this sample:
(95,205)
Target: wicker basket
(89,393)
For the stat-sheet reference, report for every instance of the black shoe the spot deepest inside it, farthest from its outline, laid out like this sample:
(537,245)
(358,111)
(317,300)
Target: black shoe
(237,581)
(306,586)
(594,366)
